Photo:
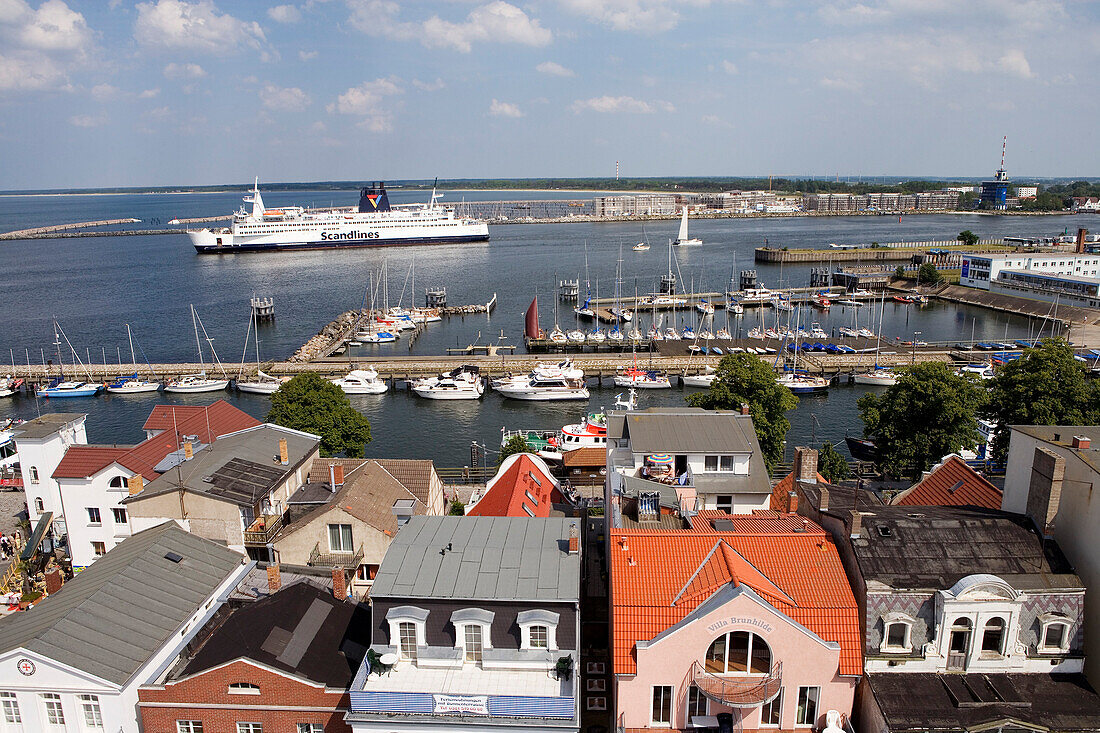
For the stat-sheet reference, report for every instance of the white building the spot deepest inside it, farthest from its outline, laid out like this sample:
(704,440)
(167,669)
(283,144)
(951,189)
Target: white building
(979,271)
(1027,192)
(76,661)
(42,444)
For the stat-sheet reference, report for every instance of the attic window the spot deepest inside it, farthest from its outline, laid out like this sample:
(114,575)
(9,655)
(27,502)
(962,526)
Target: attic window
(531,498)
(885,531)
(173,557)
(534,478)
(958,485)
(243,688)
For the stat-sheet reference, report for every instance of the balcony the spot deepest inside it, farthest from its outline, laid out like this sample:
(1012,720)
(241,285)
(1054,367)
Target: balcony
(263,529)
(345,560)
(738,691)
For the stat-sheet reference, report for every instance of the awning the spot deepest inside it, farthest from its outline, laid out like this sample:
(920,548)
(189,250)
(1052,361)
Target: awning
(39,532)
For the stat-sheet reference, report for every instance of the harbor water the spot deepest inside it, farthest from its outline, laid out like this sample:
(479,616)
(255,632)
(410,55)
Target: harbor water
(94,286)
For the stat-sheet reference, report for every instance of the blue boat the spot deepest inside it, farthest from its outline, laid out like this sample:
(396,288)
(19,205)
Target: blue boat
(1024,344)
(60,388)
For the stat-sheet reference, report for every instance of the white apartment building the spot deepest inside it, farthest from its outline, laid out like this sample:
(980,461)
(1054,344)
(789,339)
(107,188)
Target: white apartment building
(42,443)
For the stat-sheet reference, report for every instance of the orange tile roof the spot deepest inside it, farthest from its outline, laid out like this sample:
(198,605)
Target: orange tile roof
(951,483)
(507,492)
(782,490)
(82,461)
(587,456)
(761,520)
(662,576)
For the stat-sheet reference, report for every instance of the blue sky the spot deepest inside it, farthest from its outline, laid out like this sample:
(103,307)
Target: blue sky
(166,92)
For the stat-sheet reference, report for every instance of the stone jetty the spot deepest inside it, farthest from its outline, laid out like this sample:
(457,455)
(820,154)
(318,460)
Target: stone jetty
(328,338)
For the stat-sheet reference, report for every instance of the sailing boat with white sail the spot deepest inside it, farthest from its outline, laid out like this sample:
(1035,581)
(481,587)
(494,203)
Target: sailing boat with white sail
(190,383)
(682,238)
(132,384)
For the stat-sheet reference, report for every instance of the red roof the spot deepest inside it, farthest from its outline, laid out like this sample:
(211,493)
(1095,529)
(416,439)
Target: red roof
(760,521)
(661,576)
(951,483)
(207,423)
(782,490)
(509,493)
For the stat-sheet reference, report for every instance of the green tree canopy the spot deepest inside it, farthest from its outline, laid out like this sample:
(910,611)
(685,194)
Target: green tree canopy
(1045,386)
(967,237)
(929,413)
(515,444)
(831,464)
(744,379)
(927,273)
(317,406)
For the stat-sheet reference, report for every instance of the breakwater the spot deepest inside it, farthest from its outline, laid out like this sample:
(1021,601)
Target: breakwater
(884,252)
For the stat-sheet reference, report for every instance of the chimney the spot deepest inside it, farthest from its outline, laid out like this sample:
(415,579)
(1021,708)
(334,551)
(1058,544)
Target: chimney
(744,408)
(339,584)
(336,476)
(1081,442)
(1045,492)
(188,451)
(857,523)
(1080,248)
(284,458)
(792,502)
(574,539)
(134,484)
(274,581)
(824,507)
(54,581)
(805,465)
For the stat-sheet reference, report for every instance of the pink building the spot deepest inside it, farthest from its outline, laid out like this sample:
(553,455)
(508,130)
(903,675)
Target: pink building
(746,616)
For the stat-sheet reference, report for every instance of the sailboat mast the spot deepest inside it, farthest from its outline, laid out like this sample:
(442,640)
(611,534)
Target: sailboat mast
(133,356)
(198,344)
(57,343)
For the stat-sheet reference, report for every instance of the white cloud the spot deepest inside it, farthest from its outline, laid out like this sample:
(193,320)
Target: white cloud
(495,21)
(159,113)
(553,69)
(88,120)
(149,93)
(715,120)
(27,73)
(504,109)
(307,55)
(195,26)
(1015,63)
(848,85)
(289,99)
(284,14)
(103,92)
(642,16)
(429,86)
(368,102)
(621,104)
(184,71)
(729,67)
(38,47)
(56,27)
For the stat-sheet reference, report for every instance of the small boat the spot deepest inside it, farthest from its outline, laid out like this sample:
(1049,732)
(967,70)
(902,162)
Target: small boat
(262,384)
(706,335)
(756,333)
(463,383)
(723,334)
(877,377)
(361,381)
(133,384)
(191,383)
(718,350)
(707,309)
(376,336)
(60,388)
(596,336)
(425,315)
(542,388)
(820,301)
(622,314)
(782,305)
(557,336)
(682,238)
(902,299)
(850,303)
(671,334)
(865,333)
(640,247)
(688,334)
(653,334)
(9,385)
(771,333)
(920,299)
(803,383)
(575,336)
(817,332)
(642,379)
(849,332)
(984,371)
(615,335)
(705,379)
(634,334)
(735,308)
(861,449)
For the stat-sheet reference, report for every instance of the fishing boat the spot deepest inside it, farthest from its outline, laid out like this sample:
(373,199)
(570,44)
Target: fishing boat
(463,383)
(133,384)
(192,383)
(61,387)
(703,379)
(642,379)
(361,381)
(682,238)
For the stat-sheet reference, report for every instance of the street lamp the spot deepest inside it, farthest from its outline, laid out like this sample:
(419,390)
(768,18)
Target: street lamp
(913,357)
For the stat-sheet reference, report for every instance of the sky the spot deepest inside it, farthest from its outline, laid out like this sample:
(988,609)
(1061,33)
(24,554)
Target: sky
(194,92)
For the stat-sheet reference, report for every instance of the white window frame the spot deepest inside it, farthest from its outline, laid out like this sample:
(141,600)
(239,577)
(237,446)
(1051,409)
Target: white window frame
(243,688)
(48,700)
(350,536)
(543,631)
(1048,620)
(95,550)
(10,714)
(246,727)
(817,705)
(1000,653)
(95,517)
(311,728)
(402,652)
(775,702)
(33,473)
(719,500)
(653,722)
(538,617)
(91,712)
(120,511)
(407,614)
(474,653)
(189,726)
(889,620)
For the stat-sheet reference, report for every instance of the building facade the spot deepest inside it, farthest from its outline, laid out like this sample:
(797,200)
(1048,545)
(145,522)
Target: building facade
(42,443)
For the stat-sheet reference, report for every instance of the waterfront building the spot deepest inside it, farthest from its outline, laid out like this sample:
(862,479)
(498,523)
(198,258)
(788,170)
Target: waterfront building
(41,444)
(346,516)
(1027,192)
(1086,203)
(946,199)
(744,622)
(281,663)
(76,661)
(972,621)
(475,625)
(670,461)
(1051,475)
(522,487)
(652,204)
(93,480)
(232,490)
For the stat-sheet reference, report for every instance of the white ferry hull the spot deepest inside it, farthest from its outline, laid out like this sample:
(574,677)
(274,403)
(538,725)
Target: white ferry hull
(338,236)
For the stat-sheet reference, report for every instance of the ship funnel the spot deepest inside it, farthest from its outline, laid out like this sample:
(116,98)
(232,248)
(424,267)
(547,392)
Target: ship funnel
(374,199)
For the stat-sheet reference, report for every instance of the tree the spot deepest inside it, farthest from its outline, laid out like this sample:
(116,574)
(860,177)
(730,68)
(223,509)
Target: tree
(929,274)
(317,406)
(458,509)
(831,464)
(515,444)
(1045,386)
(744,379)
(930,413)
(967,237)
(899,271)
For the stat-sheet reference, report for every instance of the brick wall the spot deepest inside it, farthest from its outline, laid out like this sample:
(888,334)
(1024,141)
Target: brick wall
(287,701)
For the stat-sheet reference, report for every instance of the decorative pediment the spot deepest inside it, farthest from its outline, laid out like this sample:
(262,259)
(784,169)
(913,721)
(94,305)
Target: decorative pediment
(982,588)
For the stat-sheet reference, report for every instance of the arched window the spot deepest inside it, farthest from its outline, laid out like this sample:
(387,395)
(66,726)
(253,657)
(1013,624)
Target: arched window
(118,482)
(38,505)
(34,474)
(739,652)
(993,637)
(1054,635)
(243,688)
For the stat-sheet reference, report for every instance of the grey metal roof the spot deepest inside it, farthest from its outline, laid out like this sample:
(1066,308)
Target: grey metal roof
(689,430)
(490,558)
(111,618)
(47,424)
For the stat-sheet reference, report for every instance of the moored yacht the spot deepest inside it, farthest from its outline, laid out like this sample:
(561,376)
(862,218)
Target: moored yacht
(361,381)
(703,379)
(877,377)
(642,379)
(538,388)
(61,388)
(261,384)
(463,383)
(190,383)
(803,383)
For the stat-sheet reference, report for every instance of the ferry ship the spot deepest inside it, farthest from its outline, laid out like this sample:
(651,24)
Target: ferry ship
(374,224)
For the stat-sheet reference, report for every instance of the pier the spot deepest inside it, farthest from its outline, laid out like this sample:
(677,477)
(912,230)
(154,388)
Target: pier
(884,252)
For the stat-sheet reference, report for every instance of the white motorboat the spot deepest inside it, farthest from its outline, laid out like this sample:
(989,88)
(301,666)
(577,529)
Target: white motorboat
(877,378)
(682,238)
(803,383)
(191,383)
(642,379)
(361,381)
(755,295)
(704,379)
(9,385)
(59,388)
(984,371)
(541,388)
(262,384)
(463,383)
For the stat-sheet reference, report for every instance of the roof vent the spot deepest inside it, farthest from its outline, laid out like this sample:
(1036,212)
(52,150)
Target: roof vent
(885,531)
(958,485)
(208,479)
(173,557)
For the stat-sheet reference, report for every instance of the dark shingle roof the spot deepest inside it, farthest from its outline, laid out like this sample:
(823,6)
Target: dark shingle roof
(111,618)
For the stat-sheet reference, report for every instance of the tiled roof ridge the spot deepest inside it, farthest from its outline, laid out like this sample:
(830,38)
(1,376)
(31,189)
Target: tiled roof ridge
(723,566)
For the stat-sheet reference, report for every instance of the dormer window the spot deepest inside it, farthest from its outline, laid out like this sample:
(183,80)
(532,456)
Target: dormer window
(897,633)
(407,630)
(993,637)
(1054,635)
(243,688)
(473,632)
(538,629)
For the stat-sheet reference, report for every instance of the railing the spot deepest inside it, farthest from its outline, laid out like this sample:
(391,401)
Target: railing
(466,474)
(346,560)
(738,690)
(263,530)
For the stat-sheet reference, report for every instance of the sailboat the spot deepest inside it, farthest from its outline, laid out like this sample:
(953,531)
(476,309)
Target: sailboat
(682,239)
(132,384)
(879,376)
(801,383)
(61,387)
(190,383)
(583,310)
(263,383)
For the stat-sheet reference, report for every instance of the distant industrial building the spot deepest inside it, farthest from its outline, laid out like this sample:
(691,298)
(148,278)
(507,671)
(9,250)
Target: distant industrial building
(994,194)
(943,200)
